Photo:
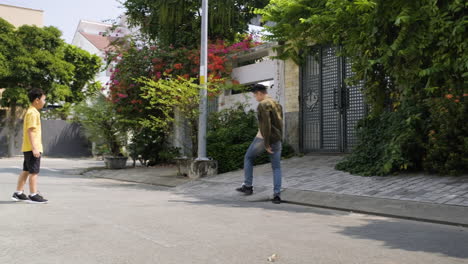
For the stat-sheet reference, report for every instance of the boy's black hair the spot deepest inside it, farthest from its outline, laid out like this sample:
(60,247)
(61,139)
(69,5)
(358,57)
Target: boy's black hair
(258,88)
(34,94)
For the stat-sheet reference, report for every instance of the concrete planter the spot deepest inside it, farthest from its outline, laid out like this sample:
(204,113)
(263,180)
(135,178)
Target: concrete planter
(183,166)
(203,168)
(115,163)
(195,169)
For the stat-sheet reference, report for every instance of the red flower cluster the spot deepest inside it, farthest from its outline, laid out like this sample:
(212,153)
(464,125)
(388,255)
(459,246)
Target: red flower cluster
(155,62)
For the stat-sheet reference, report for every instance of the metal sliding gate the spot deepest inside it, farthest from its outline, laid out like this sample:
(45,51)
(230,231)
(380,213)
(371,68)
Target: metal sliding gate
(330,109)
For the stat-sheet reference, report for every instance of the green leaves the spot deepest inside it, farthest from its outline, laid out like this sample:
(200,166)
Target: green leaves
(403,17)
(177,22)
(408,52)
(7,42)
(447,144)
(32,57)
(15,95)
(167,94)
(86,66)
(364,5)
(103,124)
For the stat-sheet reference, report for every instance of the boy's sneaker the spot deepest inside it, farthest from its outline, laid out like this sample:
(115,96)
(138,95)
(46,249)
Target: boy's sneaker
(37,199)
(246,190)
(276,199)
(20,197)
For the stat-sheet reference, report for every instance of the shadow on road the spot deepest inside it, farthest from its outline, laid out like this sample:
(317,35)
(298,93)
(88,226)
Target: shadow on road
(231,199)
(413,236)
(396,234)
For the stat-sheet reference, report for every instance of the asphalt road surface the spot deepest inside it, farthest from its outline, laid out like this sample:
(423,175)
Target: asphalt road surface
(91,220)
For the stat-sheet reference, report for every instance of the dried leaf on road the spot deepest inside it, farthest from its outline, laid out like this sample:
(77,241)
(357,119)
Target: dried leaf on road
(273,258)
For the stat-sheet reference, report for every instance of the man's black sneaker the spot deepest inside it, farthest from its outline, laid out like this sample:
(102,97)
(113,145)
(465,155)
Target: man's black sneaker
(246,190)
(276,199)
(37,199)
(19,197)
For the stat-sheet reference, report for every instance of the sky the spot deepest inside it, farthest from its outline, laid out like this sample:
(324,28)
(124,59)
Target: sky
(65,14)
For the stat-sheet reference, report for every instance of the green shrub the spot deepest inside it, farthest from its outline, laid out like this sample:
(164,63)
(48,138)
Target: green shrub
(431,136)
(103,124)
(386,145)
(447,144)
(150,148)
(230,133)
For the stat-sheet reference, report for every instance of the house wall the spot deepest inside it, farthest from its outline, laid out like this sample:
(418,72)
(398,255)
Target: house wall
(93,28)
(292,103)
(80,41)
(284,75)
(18,16)
(254,73)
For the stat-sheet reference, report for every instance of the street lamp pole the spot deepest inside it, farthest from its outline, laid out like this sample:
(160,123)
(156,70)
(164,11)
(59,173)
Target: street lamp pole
(203,82)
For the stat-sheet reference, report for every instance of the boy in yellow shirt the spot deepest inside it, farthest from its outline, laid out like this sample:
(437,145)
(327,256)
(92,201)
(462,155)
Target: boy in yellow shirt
(32,149)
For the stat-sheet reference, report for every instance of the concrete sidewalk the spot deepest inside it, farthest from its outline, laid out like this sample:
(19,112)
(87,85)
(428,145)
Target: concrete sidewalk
(162,176)
(312,180)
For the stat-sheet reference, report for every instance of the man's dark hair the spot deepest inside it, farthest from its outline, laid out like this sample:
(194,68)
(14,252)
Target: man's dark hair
(258,88)
(35,94)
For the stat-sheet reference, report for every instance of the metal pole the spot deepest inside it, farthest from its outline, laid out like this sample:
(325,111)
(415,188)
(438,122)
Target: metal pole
(203,79)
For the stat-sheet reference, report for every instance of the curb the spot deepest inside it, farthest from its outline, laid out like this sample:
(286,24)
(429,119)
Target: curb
(420,211)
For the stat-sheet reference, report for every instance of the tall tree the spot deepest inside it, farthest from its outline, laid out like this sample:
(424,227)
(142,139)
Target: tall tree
(177,22)
(39,58)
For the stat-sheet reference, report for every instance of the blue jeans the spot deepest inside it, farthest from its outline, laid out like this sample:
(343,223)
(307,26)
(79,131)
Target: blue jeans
(256,148)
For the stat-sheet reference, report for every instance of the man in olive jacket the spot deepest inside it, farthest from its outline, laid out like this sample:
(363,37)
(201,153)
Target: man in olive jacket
(269,136)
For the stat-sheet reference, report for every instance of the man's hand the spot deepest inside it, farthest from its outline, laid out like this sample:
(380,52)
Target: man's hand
(269,150)
(36,153)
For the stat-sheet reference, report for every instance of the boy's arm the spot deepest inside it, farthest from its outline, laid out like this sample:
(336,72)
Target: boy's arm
(35,151)
(31,124)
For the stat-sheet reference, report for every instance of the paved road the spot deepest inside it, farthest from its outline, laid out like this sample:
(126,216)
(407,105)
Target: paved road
(104,221)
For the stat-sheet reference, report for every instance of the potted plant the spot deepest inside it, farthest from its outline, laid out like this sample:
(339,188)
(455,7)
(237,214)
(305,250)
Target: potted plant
(104,126)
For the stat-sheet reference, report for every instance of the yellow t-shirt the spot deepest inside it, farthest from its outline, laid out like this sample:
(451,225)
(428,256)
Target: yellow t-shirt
(32,119)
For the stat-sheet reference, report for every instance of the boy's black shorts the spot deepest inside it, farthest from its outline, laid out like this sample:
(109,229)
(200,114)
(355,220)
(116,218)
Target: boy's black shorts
(31,163)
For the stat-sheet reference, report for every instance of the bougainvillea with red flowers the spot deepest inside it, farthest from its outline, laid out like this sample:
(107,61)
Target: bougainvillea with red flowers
(131,60)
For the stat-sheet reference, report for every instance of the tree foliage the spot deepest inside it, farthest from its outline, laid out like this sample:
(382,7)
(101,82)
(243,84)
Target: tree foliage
(7,43)
(38,58)
(166,94)
(412,57)
(149,82)
(177,22)
(132,61)
(86,66)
